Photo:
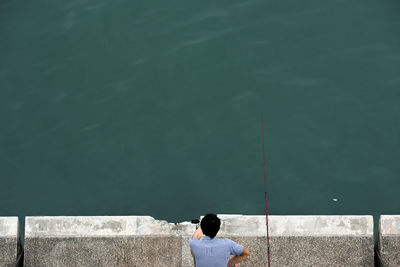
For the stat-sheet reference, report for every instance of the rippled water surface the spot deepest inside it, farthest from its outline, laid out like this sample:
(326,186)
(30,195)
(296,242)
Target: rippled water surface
(153,107)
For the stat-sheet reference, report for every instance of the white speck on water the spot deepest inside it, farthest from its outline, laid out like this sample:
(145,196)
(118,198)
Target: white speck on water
(90,127)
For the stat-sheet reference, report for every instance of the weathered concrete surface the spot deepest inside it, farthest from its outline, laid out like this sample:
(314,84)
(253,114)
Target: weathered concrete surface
(303,240)
(9,241)
(144,241)
(103,241)
(186,230)
(389,239)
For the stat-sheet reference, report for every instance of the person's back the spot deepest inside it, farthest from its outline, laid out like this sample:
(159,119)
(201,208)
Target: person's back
(214,252)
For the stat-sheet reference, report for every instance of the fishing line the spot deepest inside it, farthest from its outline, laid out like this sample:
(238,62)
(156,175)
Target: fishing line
(265,190)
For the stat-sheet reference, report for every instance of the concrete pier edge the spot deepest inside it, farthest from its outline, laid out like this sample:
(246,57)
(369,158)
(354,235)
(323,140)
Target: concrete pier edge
(144,241)
(10,242)
(388,240)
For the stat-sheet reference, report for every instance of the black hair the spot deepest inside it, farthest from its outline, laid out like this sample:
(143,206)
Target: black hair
(210,225)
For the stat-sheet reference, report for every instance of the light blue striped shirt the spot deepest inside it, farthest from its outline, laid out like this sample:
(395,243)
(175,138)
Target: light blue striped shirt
(213,252)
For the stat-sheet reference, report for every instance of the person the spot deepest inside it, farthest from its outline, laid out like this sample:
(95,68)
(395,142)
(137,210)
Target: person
(209,251)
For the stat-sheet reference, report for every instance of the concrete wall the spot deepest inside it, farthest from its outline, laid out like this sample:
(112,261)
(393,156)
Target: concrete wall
(304,240)
(103,241)
(9,241)
(389,240)
(144,241)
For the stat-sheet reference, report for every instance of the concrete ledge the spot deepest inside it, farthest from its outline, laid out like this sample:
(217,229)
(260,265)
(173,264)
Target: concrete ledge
(186,230)
(144,241)
(103,241)
(303,240)
(9,241)
(389,240)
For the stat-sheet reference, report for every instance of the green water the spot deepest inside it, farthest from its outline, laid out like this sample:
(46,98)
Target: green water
(153,107)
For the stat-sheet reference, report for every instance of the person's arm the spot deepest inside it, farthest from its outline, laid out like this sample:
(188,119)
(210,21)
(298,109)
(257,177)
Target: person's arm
(239,258)
(194,259)
(198,233)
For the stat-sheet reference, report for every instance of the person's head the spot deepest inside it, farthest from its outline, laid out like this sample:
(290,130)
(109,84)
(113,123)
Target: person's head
(210,225)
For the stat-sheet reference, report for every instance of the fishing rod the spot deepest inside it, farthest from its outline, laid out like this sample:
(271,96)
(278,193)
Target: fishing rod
(265,191)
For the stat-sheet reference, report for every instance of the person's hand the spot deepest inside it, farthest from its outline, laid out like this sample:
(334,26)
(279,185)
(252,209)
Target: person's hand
(230,264)
(238,258)
(198,233)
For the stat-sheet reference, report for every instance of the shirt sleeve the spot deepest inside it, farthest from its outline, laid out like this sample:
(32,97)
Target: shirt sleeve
(192,242)
(235,248)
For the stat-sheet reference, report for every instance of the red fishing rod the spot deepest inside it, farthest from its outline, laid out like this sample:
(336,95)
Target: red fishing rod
(265,190)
